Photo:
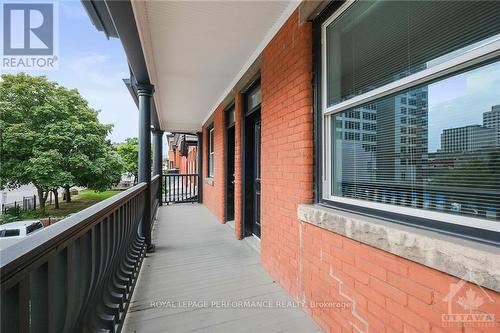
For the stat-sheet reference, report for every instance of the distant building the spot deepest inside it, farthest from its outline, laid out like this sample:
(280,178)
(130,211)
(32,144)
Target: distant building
(467,138)
(380,140)
(182,153)
(491,119)
(402,132)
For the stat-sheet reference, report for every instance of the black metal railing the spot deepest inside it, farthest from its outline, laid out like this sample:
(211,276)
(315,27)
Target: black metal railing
(77,275)
(178,188)
(155,194)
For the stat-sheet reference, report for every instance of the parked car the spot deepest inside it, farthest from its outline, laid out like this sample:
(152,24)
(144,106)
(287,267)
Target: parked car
(13,232)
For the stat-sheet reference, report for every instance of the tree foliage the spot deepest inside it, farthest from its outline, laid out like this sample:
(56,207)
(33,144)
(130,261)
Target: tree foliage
(129,153)
(478,169)
(52,138)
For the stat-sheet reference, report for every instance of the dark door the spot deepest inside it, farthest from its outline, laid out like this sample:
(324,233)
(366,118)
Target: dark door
(252,174)
(230,174)
(256,187)
(251,152)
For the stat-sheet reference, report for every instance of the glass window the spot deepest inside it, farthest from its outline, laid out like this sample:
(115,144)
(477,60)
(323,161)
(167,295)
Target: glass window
(230,117)
(254,98)
(10,233)
(374,43)
(445,159)
(34,226)
(416,86)
(211,152)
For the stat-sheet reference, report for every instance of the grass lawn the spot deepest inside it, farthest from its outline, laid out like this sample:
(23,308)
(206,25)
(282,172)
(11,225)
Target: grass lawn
(78,202)
(96,196)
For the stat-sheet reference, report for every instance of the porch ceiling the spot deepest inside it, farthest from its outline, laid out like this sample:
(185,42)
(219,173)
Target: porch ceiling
(196,51)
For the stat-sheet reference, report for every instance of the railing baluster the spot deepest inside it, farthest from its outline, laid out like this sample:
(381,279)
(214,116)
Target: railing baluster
(96,275)
(178,188)
(73,280)
(57,289)
(86,270)
(163,181)
(191,190)
(24,305)
(10,309)
(39,299)
(169,189)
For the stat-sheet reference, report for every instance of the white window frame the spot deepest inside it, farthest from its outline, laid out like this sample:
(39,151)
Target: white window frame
(211,153)
(462,61)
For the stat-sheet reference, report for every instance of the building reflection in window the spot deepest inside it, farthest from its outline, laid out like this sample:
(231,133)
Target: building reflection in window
(435,147)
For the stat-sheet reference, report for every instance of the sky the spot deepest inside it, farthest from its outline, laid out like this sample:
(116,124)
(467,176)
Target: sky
(95,66)
(461,100)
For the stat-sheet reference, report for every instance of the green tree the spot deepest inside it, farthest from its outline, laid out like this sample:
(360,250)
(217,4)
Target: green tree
(478,169)
(129,153)
(107,169)
(51,137)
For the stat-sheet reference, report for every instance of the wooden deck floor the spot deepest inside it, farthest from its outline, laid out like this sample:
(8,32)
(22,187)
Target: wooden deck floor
(198,260)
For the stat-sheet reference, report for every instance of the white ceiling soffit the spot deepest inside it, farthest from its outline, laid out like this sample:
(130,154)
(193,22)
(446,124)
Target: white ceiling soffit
(196,51)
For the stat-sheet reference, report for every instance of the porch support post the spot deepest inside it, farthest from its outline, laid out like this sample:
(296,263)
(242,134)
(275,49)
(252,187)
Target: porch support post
(145,93)
(158,159)
(200,166)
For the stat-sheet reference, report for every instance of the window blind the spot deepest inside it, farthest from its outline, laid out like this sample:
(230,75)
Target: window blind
(378,42)
(434,146)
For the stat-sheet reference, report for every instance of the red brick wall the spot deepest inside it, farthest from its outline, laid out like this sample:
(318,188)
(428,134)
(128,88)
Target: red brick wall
(192,159)
(182,164)
(188,163)
(171,154)
(213,195)
(381,292)
(287,141)
(238,107)
(384,292)
(177,159)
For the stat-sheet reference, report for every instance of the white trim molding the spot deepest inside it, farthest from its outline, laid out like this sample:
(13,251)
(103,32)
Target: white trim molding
(466,221)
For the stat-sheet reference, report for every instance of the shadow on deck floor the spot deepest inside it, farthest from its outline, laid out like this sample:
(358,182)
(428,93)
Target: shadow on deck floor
(198,260)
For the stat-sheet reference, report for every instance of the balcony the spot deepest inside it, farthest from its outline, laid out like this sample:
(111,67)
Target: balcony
(199,278)
(84,273)
(239,76)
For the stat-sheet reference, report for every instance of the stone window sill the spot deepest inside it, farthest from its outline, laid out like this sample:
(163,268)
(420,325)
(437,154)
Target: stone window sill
(209,181)
(473,261)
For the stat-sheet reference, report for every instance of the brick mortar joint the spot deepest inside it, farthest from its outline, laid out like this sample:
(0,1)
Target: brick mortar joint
(471,261)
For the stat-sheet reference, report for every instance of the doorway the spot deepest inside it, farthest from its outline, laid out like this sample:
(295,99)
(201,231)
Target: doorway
(251,156)
(229,163)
